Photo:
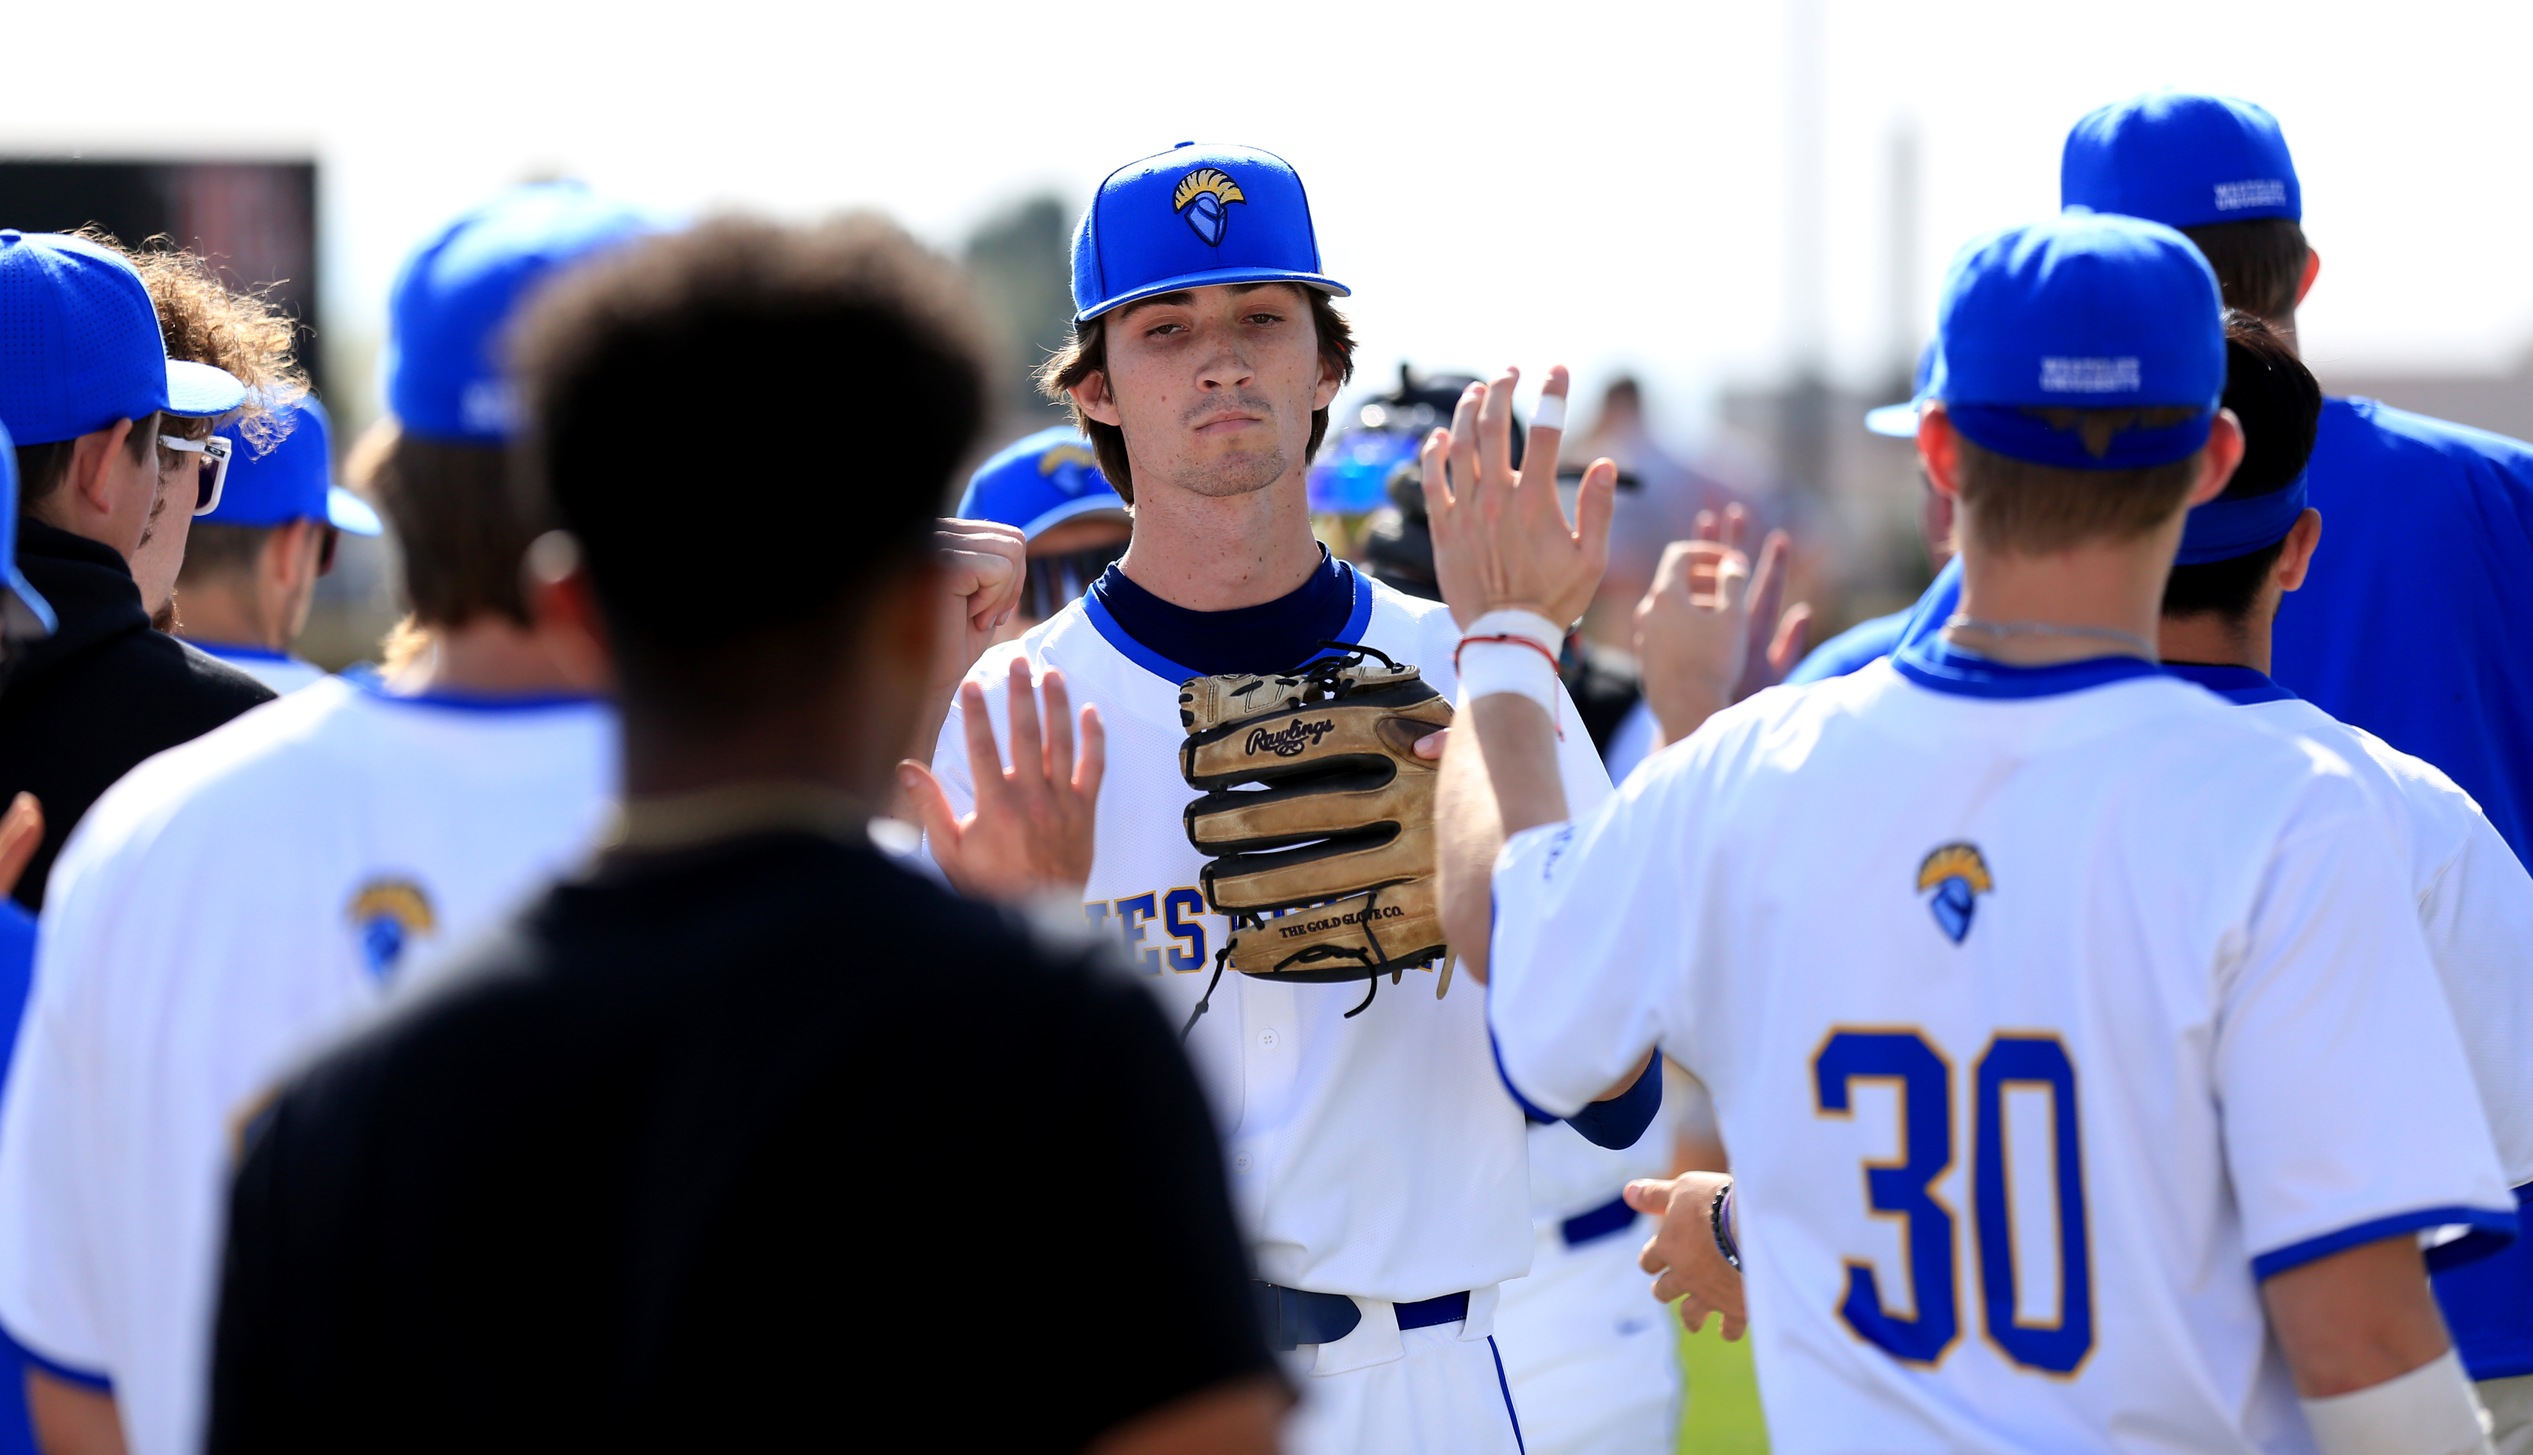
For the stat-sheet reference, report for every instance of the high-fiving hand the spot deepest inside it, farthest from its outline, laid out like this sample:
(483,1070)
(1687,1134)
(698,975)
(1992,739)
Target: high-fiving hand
(1501,539)
(1031,833)
(1778,633)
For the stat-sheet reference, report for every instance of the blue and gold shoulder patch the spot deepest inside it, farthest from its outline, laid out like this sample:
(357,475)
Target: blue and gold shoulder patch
(1958,875)
(1201,197)
(388,915)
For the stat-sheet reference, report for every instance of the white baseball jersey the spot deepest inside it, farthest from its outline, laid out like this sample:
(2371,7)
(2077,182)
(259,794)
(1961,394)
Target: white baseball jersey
(2474,898)
(279,671)
(2046,1010)
(221,910)
(1377,1156)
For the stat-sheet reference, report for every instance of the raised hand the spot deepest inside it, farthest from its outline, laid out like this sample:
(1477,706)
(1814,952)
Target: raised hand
(1778,633)
(1693,634)
(1031,833)
(1682,1251)
(1501,539)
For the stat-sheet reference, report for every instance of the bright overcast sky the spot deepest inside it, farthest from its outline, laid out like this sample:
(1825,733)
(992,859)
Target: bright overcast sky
(1600,184)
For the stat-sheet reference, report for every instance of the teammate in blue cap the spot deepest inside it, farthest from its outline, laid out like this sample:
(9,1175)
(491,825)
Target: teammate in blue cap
(103,420)
(1378,1160)
(2091,948)
(1048,487)
(2242,556)
(252,565)
(266,885)
(2415,629)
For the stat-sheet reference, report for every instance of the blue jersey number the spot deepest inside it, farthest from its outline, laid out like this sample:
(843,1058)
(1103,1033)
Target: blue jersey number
(1903,1189)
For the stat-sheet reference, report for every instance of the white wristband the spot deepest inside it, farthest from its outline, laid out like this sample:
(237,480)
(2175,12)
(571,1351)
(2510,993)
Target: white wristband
(1510,651)
(2428,1411)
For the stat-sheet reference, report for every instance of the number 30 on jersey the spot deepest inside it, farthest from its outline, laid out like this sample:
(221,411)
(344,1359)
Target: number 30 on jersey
(1903,1188)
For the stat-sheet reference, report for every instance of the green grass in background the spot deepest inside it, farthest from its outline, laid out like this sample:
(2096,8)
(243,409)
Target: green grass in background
(1723,1413)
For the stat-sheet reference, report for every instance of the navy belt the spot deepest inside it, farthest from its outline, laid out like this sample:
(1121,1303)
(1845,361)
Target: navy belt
(1613,1216)
(1294,1317)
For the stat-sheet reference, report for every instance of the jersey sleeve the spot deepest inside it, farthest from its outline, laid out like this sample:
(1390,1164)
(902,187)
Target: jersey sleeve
(2348,1112)
(2478,916)
(1588,929)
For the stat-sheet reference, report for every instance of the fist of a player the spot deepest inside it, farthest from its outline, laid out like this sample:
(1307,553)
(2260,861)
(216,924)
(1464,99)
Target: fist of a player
(1501,539)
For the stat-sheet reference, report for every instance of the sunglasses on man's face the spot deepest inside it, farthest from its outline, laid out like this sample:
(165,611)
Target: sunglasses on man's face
(212,469)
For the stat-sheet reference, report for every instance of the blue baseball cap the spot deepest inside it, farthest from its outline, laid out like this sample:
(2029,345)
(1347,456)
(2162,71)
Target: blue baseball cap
(1899,421)
(294,480)
(1036,482)
(2081,311)
(2181,159)
(443,367)
(23,612)
(1192,217)
(80,346)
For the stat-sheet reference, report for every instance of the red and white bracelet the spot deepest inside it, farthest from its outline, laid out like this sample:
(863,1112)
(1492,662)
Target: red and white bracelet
(1511,650)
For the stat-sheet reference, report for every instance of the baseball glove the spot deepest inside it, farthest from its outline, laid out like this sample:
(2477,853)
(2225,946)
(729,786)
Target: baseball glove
(1318,817)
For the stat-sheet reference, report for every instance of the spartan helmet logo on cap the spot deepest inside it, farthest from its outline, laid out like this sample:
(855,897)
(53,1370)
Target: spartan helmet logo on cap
(1201,198)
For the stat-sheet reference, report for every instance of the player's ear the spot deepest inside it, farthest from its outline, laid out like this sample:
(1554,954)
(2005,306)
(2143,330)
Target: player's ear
(2297,557)
(2312,270)
(2219,459)
(564,609)
(1939,453)
(1091,396)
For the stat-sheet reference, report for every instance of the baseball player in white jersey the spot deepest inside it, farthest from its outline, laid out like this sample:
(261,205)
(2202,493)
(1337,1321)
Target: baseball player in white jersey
(2085,1075)
(233,901)
(1375,1158)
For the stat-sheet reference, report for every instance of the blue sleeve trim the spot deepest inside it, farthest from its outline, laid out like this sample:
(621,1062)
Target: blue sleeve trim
(1620,1122)
(2485,1223)
(85,1379)
(1529,1108)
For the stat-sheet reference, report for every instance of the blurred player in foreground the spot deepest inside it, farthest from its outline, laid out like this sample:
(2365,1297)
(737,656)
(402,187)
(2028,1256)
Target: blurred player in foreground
(251,568)
(610,1186)
(231,904)
(1048,487)
(2196,1107)
(96,406)
(1375,1158)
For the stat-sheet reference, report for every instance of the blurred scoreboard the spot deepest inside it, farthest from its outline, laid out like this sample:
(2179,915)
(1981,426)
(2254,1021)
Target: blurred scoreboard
(255,221)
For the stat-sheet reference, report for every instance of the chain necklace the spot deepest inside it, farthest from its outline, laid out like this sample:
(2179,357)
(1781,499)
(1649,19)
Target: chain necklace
(2131,640)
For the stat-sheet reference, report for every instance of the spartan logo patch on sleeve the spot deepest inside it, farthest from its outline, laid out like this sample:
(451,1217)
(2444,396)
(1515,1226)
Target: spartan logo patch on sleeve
(1958,875)
(1202,197)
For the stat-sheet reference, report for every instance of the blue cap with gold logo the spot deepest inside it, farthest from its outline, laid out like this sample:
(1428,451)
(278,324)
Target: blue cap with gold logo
(1193,217)
(1042,480)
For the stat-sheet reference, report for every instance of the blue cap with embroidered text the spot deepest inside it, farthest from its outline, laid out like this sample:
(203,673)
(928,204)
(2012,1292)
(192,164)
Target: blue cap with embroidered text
(2181,159)
(2081,311)
(293,480)
(80,346)
(1039,481)
(23,612)
(456,294)
(1193,217)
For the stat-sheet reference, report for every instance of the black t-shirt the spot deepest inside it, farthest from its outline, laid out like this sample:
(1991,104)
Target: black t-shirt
(704,1149)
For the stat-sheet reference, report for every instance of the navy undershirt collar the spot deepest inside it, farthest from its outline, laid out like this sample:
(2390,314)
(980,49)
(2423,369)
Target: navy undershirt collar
(2241,686)
(1276,636)
(1939,666)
